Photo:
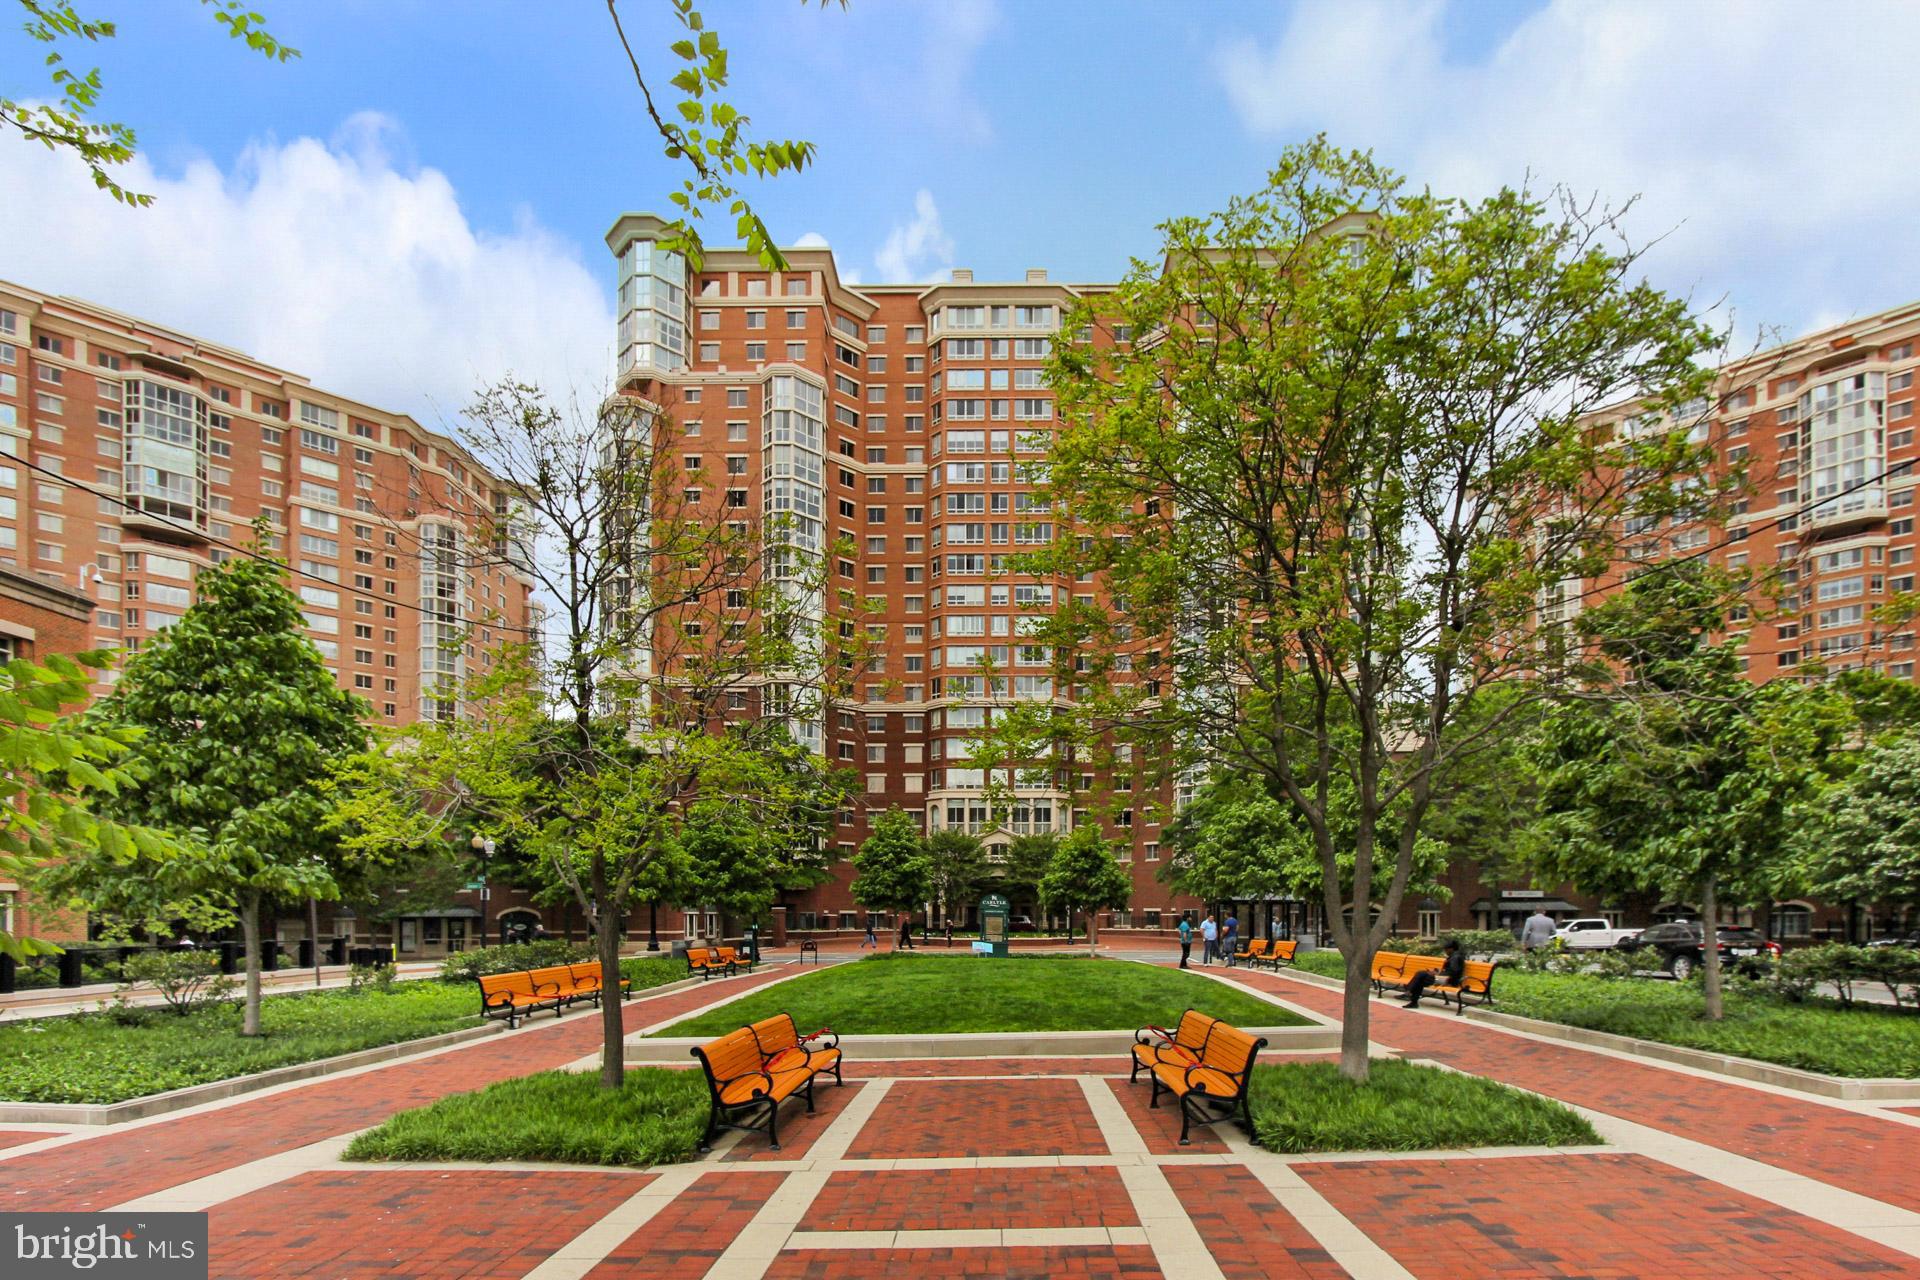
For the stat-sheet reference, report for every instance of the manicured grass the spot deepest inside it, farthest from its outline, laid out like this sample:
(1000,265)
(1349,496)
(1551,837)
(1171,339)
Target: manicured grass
(89,1057)
(557,1116)
(1817,1035)
(1300,1107)
(908,994)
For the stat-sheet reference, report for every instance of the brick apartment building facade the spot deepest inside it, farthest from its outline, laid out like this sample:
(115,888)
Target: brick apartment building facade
(132,456)
(918,405)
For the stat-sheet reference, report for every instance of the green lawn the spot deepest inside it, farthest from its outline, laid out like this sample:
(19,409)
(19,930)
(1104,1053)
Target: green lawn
(558,1116)
(1818,1035)
(1300,1107)
(918,994)
(90,1057)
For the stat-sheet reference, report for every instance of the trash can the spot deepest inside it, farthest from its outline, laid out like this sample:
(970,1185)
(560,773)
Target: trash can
(336,951)
(9,974)
(269,955)
(229,958)
(71,970)
(306,953)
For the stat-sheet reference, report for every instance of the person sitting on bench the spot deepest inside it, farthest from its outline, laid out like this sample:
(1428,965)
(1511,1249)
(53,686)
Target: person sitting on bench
(1449,974)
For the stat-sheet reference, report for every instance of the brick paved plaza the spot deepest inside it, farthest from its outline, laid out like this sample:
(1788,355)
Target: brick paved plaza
(1057,1167)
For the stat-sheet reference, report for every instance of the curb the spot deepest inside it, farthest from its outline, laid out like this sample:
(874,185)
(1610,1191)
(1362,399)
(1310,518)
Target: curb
(991,1044)
(1844,1088)
(154,1104)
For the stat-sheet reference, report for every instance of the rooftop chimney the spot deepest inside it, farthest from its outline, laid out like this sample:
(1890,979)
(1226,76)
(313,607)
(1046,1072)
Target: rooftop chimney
(963,275)
(1036,275)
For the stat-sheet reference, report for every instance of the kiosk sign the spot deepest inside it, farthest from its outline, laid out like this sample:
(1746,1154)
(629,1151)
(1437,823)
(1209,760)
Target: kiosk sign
(993,926)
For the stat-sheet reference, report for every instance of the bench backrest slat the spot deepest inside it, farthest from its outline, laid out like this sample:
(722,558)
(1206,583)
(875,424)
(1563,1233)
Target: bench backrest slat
(518,983)
(552,975)
(1192,1032)
(776,1034)
(733,1055)
(1283,950)
(585,975)
(1230,1049)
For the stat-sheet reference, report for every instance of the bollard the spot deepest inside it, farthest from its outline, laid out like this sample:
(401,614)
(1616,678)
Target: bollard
(306,953)
(336,951)
(71,970)
(9,974)
(269,955)
(229,958)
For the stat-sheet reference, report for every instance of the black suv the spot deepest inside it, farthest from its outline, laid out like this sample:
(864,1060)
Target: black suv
(1679,945)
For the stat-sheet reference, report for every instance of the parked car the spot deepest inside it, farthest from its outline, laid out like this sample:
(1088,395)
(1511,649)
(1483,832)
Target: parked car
(1679,945)
(1019,924)
(1897,940)
(1592,934)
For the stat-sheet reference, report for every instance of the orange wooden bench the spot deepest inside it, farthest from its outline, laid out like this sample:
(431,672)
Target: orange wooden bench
(588,981)
(1280,952)
(781,1046)
(742,1082)
(1393,970)
(1218,1080)
(706,962)
(1475,981)
(517,996)
(729,956)
(1153,1045)
(1254,952)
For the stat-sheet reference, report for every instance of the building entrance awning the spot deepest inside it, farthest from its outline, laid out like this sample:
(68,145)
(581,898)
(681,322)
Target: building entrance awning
(443,913)
(1548,905)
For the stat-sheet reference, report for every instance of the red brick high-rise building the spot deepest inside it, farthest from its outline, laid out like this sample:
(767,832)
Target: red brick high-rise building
(132,456)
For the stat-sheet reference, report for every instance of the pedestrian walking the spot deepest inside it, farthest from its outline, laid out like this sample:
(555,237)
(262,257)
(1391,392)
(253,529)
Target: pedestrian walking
(1186,938)
(1537,931)
(870,940)
(1209,938)
(906,933)
(1228,936)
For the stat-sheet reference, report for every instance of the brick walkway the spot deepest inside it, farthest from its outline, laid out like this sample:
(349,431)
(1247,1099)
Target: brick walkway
(1849,1149)
(1056,1169)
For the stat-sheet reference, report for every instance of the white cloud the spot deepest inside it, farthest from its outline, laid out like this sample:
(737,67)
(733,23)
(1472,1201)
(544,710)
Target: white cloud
(917,250)
(955,33)
(324,258)
(1764,137)
(810,240)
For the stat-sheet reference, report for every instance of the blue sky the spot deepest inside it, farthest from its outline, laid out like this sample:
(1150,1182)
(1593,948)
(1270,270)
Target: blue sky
(420,198)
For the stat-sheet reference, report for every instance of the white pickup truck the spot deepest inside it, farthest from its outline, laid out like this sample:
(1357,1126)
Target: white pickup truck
(1592,935)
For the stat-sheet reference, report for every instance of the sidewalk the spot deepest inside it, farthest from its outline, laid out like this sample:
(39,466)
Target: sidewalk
(1051,1167)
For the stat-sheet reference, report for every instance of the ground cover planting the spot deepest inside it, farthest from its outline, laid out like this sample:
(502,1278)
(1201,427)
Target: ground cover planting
(1300,1107)
(554,1116)
(1862,1040)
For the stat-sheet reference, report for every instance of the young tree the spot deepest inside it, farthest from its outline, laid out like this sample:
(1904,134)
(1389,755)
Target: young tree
(55,766)
(1024,863)
(1325,485)
(667,614)
(1085,873)
(892,871)
(241,724)
(957,867)
(1680,774)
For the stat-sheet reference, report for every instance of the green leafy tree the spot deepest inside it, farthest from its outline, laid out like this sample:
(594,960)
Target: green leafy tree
(1680,774)
(241,725)
(54,767)
(1085,874)
(1327,486)
(892,871)
(710,138)
(66,123)
(1026,860)
(1861,840)
(647,715)
(957,867)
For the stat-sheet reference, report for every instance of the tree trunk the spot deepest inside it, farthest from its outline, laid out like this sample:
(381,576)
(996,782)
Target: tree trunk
(1710,948)
(313,935)
(250,934)
(613,1047)
(1355,1012)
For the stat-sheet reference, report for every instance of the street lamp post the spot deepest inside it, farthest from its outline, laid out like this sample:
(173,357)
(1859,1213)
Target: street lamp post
(485,848)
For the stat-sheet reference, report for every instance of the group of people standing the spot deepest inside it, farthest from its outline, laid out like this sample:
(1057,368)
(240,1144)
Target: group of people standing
(1218,938)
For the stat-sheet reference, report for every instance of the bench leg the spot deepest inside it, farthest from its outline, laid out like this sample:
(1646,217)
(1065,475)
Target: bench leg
(713,1127)
(1153,1099)
(1133,1077)
(773,1123)
(810,1080)
(1186,1120)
